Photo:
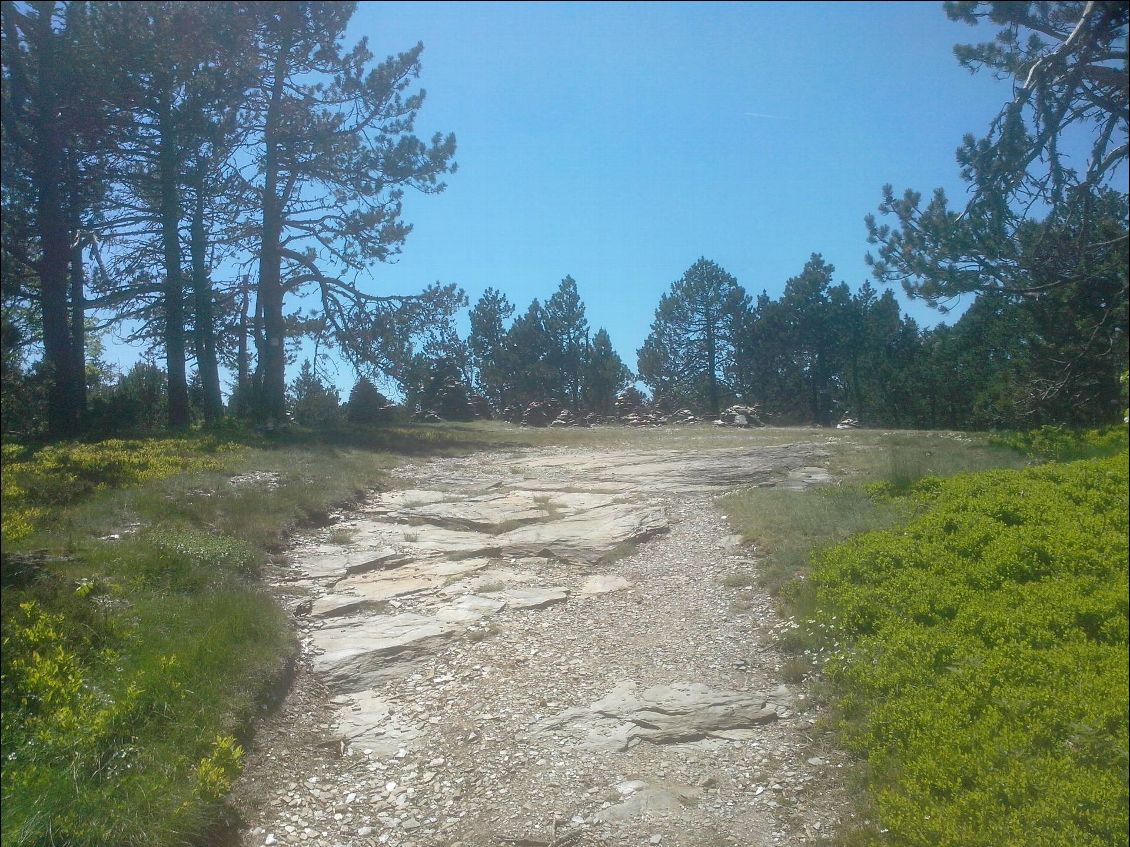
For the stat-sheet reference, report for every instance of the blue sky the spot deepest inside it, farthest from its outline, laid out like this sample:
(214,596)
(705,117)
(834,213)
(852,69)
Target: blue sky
(618,142)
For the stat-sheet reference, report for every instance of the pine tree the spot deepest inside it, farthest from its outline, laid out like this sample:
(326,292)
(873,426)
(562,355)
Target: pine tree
(56,128)
(529,345)
(568,330)
(182,71)
(605,375)
(366,404)
(817,314)
(765,370)
(488,345)
(312,402)
(686,358)
(1028,184)
(335,146)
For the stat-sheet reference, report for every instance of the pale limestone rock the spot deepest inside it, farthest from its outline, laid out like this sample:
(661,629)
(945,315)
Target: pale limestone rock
(384,559)
(529,598)
(358,650)
(491,579)
(600,583)
(406,498)
(665,714)
(469,608)
(456,544)
(370,589)
(587,537)
(361,595)
(479,514)
(488,513)
(366,720)
(645,800)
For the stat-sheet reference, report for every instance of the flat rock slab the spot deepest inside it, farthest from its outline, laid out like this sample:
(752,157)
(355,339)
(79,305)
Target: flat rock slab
(588,537)
(405,499)
(486,581)
(353,654)
(479,514)
(469,608)
(646,800)
(384,559)
(370,589)
(369,548)
(496,512)
(454,543)
(601,583)
(333,561)
(665,714)
(367,721)
(367,594)
(529,598)
(688,471)
(582,487)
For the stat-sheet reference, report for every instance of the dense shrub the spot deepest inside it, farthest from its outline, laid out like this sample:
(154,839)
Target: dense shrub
(1062,444)
(136,404)
(445,393)
(981,657)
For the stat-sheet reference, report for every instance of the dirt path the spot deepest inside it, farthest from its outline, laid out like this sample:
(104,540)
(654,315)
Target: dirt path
(539,648)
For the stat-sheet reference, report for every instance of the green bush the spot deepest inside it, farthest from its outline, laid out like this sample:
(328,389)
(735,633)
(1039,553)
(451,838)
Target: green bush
(980,655)
(311,402)
(1061,444)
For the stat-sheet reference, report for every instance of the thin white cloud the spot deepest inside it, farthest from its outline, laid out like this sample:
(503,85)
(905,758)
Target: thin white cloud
(764,115)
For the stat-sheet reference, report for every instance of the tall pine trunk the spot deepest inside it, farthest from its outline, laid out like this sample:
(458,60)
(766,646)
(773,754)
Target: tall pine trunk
(78,328)
(243,364)
(54,239)
(272,351)
(815,378)
(204,330)
(712,366)
(174,277)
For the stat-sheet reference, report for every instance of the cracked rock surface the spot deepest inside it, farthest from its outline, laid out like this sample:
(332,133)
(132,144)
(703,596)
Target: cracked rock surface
(537,648)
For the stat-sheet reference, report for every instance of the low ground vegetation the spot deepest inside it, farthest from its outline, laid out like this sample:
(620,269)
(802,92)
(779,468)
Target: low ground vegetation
(1063,444)
(974,641)
(980,655)
(137,644)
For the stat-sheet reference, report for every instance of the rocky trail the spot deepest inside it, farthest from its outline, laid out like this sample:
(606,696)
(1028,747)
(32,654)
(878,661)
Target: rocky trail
(538,648)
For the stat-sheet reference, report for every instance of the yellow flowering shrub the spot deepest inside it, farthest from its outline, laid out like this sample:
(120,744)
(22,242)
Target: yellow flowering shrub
(215,773)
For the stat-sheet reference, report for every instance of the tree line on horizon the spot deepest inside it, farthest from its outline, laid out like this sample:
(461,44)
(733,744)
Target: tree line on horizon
(820,353)
(181,172)
(815,355)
